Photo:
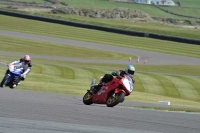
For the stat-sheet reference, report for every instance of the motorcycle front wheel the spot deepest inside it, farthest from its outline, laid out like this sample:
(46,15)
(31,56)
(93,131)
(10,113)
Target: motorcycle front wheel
(114,99)
(4,81)
(87,98)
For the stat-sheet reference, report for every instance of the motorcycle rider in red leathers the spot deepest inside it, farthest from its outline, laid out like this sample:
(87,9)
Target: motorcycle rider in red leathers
(129,70)
(25,63)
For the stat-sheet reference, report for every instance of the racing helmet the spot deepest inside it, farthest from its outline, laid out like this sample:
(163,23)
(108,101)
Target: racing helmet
(27,59)
(130,69)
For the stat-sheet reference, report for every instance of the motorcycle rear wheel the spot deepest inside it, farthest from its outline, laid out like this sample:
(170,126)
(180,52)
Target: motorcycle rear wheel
(4,81)
(113,101)
(87,98)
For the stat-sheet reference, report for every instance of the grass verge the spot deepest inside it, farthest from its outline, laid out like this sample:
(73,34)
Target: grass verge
(150,27)
(67,32)
(11,44)
(171,109)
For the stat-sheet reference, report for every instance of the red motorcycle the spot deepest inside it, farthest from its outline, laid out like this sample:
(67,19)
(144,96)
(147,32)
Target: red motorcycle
(112,93)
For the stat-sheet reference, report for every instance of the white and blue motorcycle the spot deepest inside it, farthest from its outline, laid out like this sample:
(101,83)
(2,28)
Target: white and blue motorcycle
(12,76)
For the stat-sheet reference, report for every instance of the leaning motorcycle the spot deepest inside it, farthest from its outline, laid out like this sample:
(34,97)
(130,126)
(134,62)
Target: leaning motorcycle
(12,77)
(112,93)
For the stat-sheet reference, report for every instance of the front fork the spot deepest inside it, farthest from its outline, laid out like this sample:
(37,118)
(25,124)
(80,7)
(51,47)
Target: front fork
(116,91)
(9,77)
(119,90)
(12,79)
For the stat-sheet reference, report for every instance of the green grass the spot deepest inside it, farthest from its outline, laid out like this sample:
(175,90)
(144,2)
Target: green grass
(143,27)
(171,109)
(74,33)
(150,27)
(153,83)
(193,12)
(153,98)
(11,44)
(189,3)
(106,4)
(166,69)
(74,78)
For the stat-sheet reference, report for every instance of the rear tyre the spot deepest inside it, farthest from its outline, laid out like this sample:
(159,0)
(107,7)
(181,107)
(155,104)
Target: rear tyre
(87,98)
(4,81)
(114,99)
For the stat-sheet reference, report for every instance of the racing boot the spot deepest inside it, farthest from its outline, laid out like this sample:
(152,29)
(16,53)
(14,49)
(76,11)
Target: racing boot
(98,87)
(92,89)
(13,86)
(93,83)
(19,83)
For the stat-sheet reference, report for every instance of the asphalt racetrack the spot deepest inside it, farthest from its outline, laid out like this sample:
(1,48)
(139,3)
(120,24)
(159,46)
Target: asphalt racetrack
(37,112)
(24,111)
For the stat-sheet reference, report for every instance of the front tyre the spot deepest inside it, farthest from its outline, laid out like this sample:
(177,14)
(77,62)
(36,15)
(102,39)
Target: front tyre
(4,81)
(87,98)
(114,99)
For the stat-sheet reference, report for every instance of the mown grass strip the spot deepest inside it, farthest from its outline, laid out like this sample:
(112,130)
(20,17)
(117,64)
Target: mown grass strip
(67,32)
(178,70)
(150,84)
(195,82)
(75,78)
(153,98)
(185,89)
(96,74)
(187,70)
(170,109)
(12,44)
(104,4)
(167,85)
(138,86)
(173,30)
(138,26)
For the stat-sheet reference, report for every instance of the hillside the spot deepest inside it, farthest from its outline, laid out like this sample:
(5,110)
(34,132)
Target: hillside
(145,18)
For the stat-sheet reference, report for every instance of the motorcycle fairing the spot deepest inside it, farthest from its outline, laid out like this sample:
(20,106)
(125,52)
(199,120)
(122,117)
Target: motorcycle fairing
(15,72)
(102,95)
(127,82)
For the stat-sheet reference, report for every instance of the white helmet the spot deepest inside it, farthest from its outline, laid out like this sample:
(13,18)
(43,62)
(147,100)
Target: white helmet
(130,69)
(27,59)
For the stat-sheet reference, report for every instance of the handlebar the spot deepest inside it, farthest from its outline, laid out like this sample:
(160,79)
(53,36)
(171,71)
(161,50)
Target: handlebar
(117,75)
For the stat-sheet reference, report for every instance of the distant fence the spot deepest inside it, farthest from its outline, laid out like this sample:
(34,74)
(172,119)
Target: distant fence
(180,15)
(107,29)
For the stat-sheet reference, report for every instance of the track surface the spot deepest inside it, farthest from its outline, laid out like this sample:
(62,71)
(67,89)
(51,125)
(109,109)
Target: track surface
(24,111)
(154,58)
(37,112)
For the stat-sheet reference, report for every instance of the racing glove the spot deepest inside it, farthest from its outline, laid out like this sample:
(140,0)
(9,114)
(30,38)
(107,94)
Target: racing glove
(23,76)
(114,74)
